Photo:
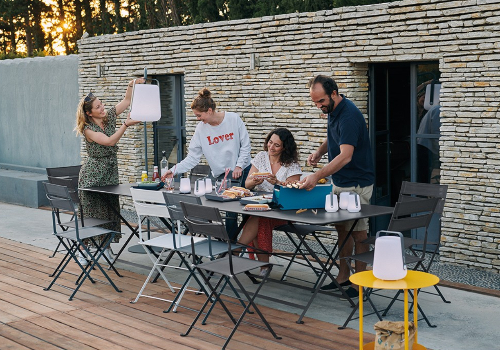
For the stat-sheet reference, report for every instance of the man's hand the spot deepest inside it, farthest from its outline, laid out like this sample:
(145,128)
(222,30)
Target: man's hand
(309,182)
(314,158)
(167,174)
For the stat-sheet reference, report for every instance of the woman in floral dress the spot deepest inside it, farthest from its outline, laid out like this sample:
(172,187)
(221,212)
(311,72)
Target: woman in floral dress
(98,127)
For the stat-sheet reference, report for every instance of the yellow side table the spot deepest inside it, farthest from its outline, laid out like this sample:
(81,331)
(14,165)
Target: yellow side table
(413,280)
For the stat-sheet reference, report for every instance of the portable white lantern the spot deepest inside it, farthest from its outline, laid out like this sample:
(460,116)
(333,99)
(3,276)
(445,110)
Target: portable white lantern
(389,256)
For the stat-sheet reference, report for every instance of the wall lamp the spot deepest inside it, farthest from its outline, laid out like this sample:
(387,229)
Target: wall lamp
(100,69)
(254,61)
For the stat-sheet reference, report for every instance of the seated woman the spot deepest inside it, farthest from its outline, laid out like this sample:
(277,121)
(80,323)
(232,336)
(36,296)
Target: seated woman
(280,159)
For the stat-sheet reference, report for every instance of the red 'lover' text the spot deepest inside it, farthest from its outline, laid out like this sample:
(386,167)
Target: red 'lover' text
(220,138)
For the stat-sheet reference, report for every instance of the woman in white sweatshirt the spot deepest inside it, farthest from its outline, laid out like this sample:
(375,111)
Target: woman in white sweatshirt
(223,139)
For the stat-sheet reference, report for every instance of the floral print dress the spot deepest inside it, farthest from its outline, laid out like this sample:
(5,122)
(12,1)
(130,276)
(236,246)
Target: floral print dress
(101,169)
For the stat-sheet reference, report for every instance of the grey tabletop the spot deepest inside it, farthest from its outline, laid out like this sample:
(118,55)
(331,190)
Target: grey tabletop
(322,217)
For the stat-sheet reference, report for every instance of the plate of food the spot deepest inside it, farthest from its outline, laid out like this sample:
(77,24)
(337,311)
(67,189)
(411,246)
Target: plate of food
(231,194)
(256,207)
(262,199)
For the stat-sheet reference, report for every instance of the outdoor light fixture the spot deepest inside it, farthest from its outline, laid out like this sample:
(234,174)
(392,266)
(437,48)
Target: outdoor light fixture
(99,70)
(254,61)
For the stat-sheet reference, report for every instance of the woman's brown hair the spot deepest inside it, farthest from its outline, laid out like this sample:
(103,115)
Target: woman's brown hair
(203,101)
(82,118)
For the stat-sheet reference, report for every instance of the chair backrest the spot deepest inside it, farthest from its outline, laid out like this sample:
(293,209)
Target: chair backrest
(70,182)
(173,201)
(413,214)
(60,199)
(205,221)
(64,171)
(200,171)
(416,190)
(149,203)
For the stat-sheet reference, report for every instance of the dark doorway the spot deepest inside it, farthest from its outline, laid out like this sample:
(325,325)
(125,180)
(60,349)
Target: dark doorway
(170,130)
(401,143)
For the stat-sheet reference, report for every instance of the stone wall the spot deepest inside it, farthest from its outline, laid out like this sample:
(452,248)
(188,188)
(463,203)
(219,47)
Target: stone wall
(463,36)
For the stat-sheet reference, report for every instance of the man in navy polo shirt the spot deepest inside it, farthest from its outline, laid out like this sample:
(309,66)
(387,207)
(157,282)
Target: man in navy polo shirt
(350,165)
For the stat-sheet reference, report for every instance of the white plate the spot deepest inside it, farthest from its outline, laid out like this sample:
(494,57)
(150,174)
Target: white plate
(257,200)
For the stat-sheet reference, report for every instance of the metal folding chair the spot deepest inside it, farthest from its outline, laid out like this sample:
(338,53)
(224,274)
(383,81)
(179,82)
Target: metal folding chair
(208,221)
(72,239)
(68,176)
(205,249)
(411,191)
(151,205)
(407,215)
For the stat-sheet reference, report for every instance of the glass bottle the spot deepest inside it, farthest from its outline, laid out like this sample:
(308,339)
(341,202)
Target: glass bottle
(164,163)
(156,176)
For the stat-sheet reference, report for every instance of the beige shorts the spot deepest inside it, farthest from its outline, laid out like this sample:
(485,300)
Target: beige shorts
(365,194)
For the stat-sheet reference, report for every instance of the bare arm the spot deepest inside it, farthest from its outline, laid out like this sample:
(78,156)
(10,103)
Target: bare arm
(125,103)
(112,140)
(335,165)
(315,157)
(251,181)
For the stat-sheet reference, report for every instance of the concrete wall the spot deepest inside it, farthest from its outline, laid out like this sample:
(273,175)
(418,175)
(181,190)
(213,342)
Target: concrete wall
(463,36)
(38,98)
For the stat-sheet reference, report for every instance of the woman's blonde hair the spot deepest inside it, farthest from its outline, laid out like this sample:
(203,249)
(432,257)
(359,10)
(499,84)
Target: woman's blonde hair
(203,101)
(82,118)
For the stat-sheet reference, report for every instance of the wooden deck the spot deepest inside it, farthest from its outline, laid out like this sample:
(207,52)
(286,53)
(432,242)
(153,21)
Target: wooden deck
(100,318)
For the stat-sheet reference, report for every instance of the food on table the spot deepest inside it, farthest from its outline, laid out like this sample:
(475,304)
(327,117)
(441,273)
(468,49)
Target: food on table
(257,207)
(237,192)
(291,184)
(300,211)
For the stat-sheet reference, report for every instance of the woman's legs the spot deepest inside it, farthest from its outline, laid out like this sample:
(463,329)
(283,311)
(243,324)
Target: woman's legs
(256,232)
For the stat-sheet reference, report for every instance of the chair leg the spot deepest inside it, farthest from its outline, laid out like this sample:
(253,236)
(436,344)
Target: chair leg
(159,265)
(184,287)
(213,293)
(95,263)
(251,302)
(155,266)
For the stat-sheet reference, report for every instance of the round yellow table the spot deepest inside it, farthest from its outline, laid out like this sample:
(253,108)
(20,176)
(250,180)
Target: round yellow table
(413,280)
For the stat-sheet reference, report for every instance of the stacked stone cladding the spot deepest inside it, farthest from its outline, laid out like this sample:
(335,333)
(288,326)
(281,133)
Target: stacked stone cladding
(463,36)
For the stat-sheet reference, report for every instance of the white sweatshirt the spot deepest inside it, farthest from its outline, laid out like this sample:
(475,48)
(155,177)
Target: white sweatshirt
(226,145)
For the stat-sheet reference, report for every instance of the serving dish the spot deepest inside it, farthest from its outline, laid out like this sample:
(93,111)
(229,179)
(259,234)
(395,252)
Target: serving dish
(214,197)
(262,199)
(149,185)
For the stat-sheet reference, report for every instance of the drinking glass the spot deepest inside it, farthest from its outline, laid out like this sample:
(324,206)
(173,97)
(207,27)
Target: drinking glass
(221,186)
(169,184)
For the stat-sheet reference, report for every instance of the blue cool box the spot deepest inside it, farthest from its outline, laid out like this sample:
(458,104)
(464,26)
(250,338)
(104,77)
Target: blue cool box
(292,198)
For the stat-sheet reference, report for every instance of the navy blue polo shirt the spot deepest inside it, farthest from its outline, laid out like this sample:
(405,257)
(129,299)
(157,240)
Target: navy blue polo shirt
(346,125)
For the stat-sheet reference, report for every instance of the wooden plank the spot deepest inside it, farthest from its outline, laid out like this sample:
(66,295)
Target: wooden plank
(8,344)
(100,318)
(23,340)
(55,336)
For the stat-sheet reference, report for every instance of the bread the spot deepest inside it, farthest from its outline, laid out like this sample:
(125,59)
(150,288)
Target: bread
(261,174)
(230,194)
(256,207)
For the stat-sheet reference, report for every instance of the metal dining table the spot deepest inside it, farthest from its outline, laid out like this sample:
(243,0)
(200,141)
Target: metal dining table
(319,217)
